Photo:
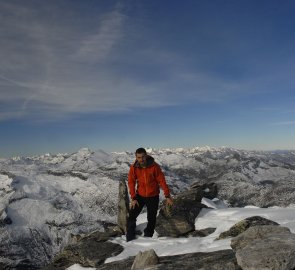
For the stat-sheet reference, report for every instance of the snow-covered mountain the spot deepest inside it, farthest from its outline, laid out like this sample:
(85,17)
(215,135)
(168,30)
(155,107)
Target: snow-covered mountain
(44,199)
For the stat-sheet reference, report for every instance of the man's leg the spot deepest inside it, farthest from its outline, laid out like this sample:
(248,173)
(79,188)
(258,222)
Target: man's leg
(152,204)
(133,214)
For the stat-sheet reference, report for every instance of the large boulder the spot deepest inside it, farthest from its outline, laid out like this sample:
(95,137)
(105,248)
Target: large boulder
(180,218)
(244,224)
(145,259)
(255,233)
(89,251)
(123,206)
(274,252)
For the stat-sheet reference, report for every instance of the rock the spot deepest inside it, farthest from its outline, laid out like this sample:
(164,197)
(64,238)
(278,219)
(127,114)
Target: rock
(173,227)
(217,260)
(210,189)
(7,220)
(244,224)
(125,264)
(255,233)
(31,244)
(4,219)
(103,236)
(89,251)
(180,218)
(123,206)
(110,231)
(74,238)
(7,264)
(201,233)
(145,259)
(3,214)
(275,252)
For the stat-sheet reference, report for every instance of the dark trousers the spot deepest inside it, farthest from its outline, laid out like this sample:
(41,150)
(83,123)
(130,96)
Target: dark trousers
(152,204)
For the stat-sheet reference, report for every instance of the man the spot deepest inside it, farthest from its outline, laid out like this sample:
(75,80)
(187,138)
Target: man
(144,179)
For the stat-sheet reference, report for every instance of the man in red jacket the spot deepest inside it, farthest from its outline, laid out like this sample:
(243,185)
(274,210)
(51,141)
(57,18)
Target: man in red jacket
(144,181)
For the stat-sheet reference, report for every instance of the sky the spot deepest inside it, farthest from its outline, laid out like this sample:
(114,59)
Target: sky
(118,75)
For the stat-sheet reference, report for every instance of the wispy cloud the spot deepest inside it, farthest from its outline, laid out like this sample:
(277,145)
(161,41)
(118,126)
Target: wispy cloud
(52,68)
(98,45)
(47,61)
(55,63)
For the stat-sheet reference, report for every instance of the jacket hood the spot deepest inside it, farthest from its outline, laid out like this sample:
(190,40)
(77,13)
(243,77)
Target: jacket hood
(149,162)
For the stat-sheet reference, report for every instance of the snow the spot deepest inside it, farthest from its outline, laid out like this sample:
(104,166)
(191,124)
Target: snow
(5,182)
(219,217)
(78,267)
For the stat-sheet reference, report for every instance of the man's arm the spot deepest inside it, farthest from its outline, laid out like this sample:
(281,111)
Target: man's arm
(162,181)
(132,183)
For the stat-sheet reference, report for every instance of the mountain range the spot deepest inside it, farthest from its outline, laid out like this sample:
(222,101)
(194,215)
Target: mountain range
(46,199)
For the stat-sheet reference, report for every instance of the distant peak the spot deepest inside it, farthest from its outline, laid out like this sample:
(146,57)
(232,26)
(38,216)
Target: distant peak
(84,150)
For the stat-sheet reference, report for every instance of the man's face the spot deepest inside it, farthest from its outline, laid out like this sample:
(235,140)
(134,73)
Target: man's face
(141,158)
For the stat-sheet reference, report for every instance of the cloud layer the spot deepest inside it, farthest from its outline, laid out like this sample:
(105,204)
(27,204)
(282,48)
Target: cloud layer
(56,62)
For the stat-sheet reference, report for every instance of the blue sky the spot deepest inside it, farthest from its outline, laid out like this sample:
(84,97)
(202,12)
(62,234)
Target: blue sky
(116,75)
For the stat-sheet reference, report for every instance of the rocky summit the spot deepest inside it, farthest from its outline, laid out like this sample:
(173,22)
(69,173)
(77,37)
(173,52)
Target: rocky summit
(257,243)
(46,200)
(258,247)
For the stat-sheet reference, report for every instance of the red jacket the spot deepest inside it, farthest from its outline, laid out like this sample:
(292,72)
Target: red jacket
(148,180)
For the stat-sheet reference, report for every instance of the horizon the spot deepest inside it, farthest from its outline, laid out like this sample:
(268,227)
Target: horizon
(148,149)
(113,75)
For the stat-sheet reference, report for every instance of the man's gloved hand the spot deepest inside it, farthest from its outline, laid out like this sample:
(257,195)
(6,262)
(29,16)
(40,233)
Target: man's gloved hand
(133,204)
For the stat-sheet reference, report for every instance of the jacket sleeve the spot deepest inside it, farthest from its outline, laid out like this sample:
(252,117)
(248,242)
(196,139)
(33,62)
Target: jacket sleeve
(132,182)
(161,180)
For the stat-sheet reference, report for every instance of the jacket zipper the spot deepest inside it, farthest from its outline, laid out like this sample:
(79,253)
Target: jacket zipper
(145,182)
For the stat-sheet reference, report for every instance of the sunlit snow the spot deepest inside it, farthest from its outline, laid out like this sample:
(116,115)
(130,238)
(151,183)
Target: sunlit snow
(221,218)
